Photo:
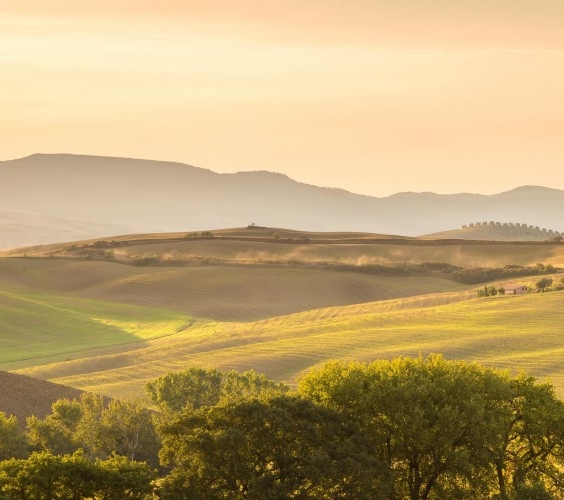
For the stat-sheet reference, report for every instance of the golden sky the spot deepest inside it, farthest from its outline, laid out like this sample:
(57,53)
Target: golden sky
(374,96)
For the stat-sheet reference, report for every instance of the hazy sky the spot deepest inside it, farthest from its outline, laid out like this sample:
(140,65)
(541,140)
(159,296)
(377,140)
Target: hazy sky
(374,96)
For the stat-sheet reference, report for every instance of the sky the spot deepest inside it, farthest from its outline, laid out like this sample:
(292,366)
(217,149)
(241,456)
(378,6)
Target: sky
(372,96)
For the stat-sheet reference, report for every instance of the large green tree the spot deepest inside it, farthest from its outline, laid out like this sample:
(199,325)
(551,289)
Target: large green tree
(55,433)
(44,476)
(277,448)
(528,451)
(120,478)
(197,387)
(449,429)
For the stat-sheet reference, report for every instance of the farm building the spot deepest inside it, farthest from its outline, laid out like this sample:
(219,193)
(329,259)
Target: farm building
(515,289)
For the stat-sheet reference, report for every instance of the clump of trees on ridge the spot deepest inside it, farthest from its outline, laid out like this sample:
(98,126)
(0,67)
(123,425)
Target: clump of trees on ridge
(518,229)
(409,428)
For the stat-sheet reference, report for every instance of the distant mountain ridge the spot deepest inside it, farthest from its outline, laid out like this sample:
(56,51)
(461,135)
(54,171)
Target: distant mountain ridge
(150,196)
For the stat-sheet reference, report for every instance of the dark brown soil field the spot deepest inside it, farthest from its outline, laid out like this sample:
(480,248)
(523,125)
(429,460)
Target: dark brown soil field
(25,396)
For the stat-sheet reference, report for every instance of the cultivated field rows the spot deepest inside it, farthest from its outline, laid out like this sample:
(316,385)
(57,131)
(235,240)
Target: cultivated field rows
(109,327)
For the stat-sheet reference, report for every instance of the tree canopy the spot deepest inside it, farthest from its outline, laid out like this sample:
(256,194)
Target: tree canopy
(403,429)
(277,447)
(196,387)
(450,429)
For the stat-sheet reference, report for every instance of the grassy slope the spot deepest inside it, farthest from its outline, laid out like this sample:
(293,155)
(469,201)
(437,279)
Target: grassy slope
(120,325)
(523,332)
(228,293)
(40,326)
(59,309)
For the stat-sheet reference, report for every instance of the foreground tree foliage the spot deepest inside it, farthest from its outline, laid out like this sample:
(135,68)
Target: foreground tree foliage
(44,476)
(12,440)
(98,428)
(276,448)
(55,433)
(449,429)
(406,429)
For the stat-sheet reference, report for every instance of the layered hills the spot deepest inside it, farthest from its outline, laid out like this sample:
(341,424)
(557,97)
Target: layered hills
(87,308)
(152,196)
(109,315)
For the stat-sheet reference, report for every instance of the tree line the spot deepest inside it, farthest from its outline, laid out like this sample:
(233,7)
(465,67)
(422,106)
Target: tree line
(512,226)
(468,275)
(408,428)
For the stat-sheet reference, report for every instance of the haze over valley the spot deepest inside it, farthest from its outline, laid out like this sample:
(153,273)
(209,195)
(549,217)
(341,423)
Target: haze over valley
(54,198)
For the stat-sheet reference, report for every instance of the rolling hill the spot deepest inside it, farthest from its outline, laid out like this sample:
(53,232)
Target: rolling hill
(246,298)
(517,333)
(152,196)
(63,306)
(274,246)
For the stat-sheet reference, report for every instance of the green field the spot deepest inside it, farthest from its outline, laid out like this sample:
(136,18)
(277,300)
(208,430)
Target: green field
(109,327)
(41,326)
(509,332)
(56,309)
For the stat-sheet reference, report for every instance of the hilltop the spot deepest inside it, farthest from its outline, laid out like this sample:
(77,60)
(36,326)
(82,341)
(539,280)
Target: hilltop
(278,248)
(144,196)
